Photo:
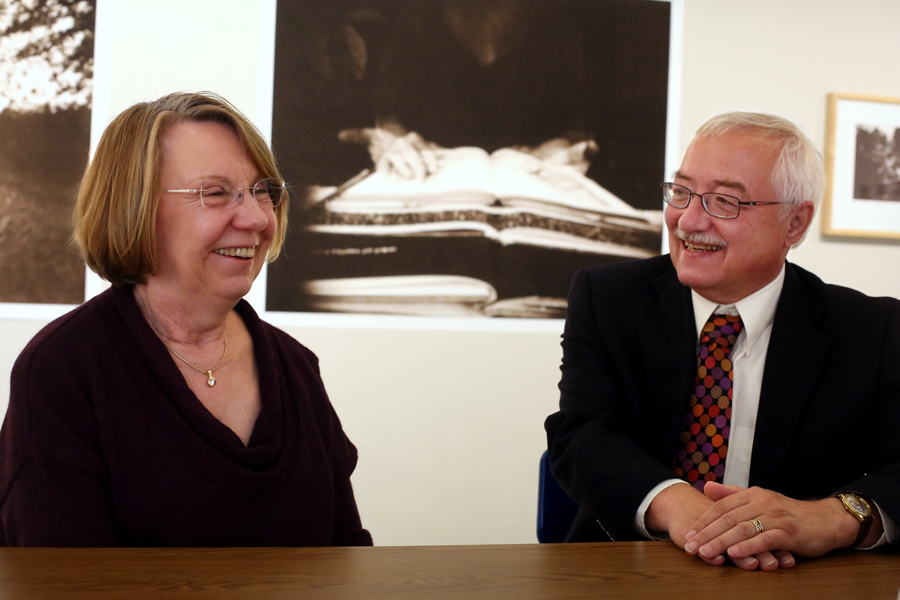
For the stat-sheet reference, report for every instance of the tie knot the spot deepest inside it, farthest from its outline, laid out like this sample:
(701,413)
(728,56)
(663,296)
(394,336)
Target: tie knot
(721,330)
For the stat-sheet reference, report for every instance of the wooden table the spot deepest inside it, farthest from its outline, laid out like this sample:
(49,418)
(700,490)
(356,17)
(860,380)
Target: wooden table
(521,572)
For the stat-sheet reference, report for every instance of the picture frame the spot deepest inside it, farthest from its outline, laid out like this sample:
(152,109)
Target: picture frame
(46,86)
(456,241)
(862,163)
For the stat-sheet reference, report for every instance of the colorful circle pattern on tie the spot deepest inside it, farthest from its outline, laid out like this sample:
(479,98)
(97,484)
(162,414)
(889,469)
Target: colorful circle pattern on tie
(703,445)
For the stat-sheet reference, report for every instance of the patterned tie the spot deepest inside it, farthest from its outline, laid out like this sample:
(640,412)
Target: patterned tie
(703,445)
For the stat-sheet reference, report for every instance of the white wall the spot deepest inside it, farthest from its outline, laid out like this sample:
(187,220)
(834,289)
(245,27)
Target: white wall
(784,57)
(449,424)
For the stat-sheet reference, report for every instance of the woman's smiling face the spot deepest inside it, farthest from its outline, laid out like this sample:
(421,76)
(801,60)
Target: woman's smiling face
(211,252)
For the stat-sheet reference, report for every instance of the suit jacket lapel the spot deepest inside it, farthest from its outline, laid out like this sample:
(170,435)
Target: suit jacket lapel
(668,341)
(797,350)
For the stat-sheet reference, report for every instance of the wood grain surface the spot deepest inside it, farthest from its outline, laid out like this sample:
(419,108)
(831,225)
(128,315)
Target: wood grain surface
(521,572)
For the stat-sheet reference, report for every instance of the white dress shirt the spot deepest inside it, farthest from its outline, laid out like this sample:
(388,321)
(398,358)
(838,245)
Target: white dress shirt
(757,312)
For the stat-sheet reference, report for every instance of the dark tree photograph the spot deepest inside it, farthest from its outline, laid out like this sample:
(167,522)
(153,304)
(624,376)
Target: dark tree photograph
(877,167)
(46,80)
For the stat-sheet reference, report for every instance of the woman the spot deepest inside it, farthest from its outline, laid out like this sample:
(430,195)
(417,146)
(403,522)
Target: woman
(163,412)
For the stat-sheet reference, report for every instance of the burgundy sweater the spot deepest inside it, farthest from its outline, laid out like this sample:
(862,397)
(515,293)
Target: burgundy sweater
(104,444)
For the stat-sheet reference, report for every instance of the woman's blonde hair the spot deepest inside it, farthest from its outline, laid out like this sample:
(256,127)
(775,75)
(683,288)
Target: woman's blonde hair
(115,214)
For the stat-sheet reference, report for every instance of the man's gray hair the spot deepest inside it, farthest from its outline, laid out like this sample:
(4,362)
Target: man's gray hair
(799,175)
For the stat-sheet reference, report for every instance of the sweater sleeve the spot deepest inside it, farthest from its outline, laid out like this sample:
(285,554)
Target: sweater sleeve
(53,481)
(348,529)
(301,366)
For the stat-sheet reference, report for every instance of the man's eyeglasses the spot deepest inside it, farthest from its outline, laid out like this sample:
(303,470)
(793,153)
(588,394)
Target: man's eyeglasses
(718,205)
(219,196)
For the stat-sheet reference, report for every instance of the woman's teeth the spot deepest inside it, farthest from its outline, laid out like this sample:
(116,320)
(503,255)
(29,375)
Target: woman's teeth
(238,252)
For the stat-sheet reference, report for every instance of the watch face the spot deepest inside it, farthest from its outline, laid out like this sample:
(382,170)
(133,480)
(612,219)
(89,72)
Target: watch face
(857,504)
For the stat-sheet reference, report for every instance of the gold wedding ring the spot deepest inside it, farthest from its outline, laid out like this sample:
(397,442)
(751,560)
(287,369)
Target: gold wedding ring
(758,525)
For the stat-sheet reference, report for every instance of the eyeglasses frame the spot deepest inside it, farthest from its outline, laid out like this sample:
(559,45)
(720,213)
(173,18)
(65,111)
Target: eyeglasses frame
(702,197)
(238,193)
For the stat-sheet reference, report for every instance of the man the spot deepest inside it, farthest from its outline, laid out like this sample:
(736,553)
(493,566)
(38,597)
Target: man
(813,371)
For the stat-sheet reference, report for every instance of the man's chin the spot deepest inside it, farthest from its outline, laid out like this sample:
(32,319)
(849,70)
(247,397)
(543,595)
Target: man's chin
(698,279)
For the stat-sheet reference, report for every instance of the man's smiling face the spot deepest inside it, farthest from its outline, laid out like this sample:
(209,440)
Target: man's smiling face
(725,260)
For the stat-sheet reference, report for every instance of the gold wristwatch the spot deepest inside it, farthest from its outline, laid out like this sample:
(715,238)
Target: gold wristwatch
(860,508)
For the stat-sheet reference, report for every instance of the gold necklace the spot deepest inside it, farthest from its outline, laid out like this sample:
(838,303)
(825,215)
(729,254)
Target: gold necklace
(210,381)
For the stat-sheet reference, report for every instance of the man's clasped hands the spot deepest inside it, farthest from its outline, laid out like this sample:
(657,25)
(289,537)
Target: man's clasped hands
(754,528)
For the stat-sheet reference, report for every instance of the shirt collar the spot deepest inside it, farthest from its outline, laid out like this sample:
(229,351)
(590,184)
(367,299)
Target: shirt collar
(757,310)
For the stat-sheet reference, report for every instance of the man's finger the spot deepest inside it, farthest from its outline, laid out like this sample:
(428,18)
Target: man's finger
(749,563)
(785,559)
(717,491)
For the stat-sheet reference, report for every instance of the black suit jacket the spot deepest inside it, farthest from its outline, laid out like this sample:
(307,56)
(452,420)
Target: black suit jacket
(829,410)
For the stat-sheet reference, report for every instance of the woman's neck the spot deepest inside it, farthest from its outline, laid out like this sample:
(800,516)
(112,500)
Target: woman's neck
(180,321)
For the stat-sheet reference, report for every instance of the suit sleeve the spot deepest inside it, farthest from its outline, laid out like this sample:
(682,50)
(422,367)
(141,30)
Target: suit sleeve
(878,446)
(598,443)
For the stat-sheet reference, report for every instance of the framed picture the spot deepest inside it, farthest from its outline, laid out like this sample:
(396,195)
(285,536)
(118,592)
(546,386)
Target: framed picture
(862,161)
(464,158)
(46,82)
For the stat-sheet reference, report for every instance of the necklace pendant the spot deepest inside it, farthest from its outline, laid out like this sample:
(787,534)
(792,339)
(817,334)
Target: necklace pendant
(212,380)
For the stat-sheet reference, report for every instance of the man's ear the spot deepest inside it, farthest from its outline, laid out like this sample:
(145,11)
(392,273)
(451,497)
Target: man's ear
(799,220)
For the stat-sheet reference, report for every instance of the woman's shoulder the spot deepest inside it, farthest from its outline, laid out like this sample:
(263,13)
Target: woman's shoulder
(293,355)
(279,341)
(53,371)
(68,336)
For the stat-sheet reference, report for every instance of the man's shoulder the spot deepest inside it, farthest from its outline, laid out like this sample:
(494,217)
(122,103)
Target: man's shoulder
(837,297)
(611,288)
(629,279)
(841,311)
(631,271)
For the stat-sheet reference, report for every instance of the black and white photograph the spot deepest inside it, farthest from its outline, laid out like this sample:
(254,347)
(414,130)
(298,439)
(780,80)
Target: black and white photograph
(863,164)
(877,169)
(46,76)
(465,157)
